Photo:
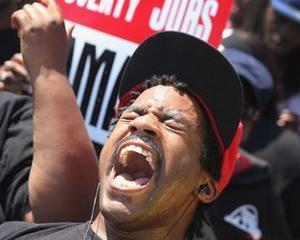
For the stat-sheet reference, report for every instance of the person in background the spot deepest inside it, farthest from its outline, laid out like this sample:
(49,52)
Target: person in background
(277,24)
(15,155)
(281,35)
(153,174)
(274,138)
(238,13)
(249,208)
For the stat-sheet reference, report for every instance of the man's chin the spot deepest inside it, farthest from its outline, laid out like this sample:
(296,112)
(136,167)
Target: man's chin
(118,213)
(115,208)
(124,208)
(114,214)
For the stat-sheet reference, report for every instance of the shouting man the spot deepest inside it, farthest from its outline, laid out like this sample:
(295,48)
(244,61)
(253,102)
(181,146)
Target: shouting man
(171,150)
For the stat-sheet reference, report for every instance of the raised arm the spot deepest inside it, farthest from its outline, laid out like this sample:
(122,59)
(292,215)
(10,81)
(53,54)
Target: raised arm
(63,177)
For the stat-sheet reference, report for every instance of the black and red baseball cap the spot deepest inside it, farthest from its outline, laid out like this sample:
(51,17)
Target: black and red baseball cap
(210,79)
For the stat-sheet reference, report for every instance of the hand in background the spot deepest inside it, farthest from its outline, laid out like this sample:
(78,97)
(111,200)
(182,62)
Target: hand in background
(288,119)
(14,76)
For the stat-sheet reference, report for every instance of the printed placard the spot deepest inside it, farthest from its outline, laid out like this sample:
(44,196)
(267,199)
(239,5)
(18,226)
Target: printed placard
(108,31)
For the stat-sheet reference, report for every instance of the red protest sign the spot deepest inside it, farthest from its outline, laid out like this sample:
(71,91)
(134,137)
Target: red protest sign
(108,31)
(135,20)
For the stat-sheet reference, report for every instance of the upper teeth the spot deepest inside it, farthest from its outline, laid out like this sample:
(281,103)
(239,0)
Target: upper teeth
(133,148)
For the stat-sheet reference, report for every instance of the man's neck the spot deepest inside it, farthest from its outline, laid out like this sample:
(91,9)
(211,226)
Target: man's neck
(108,231)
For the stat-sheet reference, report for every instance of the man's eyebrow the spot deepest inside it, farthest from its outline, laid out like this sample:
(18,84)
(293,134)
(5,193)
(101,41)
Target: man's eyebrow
(174,114)
(177,116)
(137,109)
(169,114)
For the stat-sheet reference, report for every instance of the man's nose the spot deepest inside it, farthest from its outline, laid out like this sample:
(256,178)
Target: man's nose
(148,123)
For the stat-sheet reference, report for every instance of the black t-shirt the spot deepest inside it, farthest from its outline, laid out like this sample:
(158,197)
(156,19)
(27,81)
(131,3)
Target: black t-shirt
(283,155)
(10,44)
(49,231)
(15,154)
(248,208)
(58,231)
(280,147)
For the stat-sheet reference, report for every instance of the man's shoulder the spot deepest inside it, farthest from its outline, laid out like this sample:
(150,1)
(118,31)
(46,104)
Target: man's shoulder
(49,231)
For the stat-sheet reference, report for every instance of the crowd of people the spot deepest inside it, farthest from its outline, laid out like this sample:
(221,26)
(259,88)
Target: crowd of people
(191,155)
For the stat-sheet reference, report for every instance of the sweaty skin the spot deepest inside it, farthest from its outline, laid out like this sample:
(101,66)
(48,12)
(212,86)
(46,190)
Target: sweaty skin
(63,177)
(175,122)
(171,121)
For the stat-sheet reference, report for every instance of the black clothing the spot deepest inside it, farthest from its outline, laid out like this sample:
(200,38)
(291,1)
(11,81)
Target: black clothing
(248,207)
(15,154)
(264,131)
(283,155)
(57,231)
(280,147)
(10,44)
(50,231)
(290,198)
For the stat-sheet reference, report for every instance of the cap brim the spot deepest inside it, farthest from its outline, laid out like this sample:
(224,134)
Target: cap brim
(205,70)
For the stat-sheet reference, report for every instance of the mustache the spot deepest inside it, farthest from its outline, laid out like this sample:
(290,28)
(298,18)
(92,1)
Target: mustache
(147,139)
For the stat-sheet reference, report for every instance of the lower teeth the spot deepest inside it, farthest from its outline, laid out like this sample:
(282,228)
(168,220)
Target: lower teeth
(125,181)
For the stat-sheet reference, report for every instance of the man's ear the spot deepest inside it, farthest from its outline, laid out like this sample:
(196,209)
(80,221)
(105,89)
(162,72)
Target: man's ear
(207,188)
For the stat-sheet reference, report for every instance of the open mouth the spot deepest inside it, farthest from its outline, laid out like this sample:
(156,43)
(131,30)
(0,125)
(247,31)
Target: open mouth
(134,167)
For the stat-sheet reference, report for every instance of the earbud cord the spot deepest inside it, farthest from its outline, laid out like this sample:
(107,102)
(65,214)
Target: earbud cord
(179,218)
(165,236)
(93,211)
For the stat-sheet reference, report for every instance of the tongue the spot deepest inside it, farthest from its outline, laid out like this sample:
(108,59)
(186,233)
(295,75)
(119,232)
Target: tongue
(125,180)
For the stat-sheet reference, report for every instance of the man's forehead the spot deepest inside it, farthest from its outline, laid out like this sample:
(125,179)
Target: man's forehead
(159,93)
(168,101)
(164,97)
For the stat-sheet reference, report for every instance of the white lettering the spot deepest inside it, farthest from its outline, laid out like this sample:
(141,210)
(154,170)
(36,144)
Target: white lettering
(159,16)
(172,15)
(91,5)
(192,16)
(112,8)
(81,3)
(174,21)
(105,7)
(69,1)
(131,10)
(210,10)
(118,8)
